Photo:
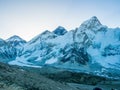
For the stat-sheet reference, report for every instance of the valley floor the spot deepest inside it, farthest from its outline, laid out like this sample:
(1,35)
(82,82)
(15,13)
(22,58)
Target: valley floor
(48,78)
(102,86)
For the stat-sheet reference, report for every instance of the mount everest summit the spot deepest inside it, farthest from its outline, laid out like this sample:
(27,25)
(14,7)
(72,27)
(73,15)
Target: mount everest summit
(92,47)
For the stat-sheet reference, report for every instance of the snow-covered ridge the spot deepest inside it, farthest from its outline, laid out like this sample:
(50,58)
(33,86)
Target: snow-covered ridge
(11,48)
(16,41)
(15,38)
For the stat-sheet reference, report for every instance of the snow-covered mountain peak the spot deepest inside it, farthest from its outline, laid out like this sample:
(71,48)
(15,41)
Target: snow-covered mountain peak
(45,32)
(93,20)
(15,38)
(60,30)
(91,24)
(16,41)
(61,27)
(46,35)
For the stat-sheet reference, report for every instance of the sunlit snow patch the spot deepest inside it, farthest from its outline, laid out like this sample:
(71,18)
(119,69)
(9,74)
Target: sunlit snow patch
(51,61)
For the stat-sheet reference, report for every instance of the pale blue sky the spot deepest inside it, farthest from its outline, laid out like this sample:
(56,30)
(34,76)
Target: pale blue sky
(27,18)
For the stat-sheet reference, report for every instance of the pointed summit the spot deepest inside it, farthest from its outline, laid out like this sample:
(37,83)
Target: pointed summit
(92,24)
(94,20)
(60,30)
(41,35)
(15,38)
(45,32)
(16,41)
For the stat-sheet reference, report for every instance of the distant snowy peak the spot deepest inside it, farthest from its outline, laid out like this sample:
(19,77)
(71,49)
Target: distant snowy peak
(16,41)
(45,32)
(15,38)
(92,24)
(60,30)
(46,35)
(93,21)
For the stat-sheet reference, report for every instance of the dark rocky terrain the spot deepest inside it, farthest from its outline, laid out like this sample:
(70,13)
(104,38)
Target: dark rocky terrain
(15,78)
(49,78)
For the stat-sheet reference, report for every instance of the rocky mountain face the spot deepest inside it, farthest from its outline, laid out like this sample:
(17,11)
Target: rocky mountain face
(10,48)
(60,30)
(92,47)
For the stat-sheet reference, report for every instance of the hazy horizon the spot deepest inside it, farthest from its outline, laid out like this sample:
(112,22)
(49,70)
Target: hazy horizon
(28,18)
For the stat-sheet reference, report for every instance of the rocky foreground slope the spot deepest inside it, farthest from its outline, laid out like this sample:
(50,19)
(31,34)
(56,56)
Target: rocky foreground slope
(49,78)
(15,78)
